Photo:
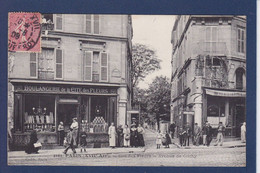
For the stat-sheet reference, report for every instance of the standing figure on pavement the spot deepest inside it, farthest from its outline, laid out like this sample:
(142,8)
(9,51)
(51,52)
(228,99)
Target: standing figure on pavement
(61,133)
(126,133)
(71,143)
(182,134)
(112,135)
(120,136)
(209,134)
(140,135)
(30,148)
(83,140)
(172,130)
(243,132)
(75,126)
(187,135)
(220,137)
(204,133)
(166,139)
(158,139)
(133,136)
(196,134)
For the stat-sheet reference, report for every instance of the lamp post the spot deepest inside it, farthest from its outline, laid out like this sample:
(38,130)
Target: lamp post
(139,118)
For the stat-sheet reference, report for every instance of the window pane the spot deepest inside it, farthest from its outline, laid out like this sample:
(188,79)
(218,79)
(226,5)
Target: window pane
(58,71)
(33,57)
(96,24)
(214,34)
(33,69)
(216,62)
(208,31)
(104,59)
(58,23)
(238,34)
(103,73)
(58,56)
(88,23)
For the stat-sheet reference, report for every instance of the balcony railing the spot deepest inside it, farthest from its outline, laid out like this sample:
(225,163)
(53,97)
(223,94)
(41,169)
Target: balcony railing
(47,26)
(211,48)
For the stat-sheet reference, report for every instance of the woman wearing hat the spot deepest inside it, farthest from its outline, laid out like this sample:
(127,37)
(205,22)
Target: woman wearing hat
(74,126)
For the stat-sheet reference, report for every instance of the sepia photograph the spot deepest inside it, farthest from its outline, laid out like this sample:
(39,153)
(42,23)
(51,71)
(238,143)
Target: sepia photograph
(126,90)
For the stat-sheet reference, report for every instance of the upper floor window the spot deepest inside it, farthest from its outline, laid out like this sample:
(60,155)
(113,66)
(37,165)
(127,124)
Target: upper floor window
(58,21)
(95,66)
(241,40)
(92,24)
(239,78)
(33,65)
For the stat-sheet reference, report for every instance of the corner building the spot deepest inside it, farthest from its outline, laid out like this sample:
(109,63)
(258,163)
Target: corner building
(83,71)
(209,71)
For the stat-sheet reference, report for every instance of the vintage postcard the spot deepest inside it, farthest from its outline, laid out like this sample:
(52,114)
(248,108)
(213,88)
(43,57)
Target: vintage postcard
(127,90)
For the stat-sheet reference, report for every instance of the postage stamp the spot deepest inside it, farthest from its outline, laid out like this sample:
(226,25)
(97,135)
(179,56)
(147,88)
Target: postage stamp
(24,31)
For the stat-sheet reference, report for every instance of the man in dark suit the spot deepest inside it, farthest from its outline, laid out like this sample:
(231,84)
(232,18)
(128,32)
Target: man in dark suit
(172,129)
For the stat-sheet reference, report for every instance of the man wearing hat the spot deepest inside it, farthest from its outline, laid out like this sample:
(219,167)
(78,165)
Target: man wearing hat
(61,133)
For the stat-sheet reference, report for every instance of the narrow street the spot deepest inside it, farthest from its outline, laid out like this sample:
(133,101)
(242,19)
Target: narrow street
(149,156)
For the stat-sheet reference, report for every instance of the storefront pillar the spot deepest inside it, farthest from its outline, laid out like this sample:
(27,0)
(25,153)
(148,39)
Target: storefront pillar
(122,106)
(226,110)
(198,113)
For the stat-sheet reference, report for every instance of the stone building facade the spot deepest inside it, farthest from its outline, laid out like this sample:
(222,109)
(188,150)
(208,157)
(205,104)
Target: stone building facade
(83,71)
(209,71)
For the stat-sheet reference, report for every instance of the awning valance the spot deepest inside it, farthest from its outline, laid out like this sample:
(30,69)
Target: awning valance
(222,93)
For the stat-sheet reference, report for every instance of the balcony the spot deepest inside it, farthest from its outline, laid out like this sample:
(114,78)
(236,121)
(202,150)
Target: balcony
(47,26)
(211,48)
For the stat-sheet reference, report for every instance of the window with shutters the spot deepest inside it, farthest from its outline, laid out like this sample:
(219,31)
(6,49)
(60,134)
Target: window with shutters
(92,24)
(33,65)
(241,40)
(211,39)
(88,59)
(59,64)
(104,67)
(58,21)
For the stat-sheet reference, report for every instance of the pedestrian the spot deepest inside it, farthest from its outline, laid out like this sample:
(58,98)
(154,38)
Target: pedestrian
(243,132)
(209,134)
(120,136)
(10,137)
(172,129)
(204,133)
(112,135)
(83,141)
(187,135)
(196,134)
(220,137)
(158,139)
(133,136)
(70,143)
(140,135)
(75,126)
(30,148)
(182,133)
(61,133)
(167,139)
(126,133)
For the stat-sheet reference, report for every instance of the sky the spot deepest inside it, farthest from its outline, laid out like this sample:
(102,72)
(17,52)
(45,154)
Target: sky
(155,32)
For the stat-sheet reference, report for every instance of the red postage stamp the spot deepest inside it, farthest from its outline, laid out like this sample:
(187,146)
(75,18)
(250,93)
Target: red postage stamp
(24,31)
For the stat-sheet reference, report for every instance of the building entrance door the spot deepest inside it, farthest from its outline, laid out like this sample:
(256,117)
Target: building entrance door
(65,113)
(240,118)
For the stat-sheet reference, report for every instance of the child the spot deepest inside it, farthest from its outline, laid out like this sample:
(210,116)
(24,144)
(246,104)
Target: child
(83,142)
(168,140)
(158,139)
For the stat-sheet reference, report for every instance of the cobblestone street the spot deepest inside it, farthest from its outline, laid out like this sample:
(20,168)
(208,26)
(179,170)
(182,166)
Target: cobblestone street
(149,156)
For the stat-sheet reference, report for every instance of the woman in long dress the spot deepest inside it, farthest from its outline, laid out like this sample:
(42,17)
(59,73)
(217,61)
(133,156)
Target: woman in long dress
(133,136)
(243,132)
(112,135)
(126,133)
(75,126)
(140,136)
(30,147)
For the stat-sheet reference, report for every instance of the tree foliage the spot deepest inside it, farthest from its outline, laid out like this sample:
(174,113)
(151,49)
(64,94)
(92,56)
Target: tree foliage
(144,61)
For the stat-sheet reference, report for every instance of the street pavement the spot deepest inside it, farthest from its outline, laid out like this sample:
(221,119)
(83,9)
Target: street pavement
(231,154)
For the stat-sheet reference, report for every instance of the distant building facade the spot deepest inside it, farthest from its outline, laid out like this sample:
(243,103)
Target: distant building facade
(83,71)
(209,71)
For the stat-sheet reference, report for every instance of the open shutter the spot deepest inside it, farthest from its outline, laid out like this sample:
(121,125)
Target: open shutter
(88,59)
(33,65)
(59,21)
(96,24)
(88,23)
(59,64)
(104,67)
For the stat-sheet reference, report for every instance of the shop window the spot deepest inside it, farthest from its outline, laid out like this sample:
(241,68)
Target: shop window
(33,65)
(39,113)
(92,24)
(59,64)
(241,40)
(216,62)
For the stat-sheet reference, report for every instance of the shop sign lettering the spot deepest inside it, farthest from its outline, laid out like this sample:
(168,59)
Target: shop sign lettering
(225,93)
(64,90)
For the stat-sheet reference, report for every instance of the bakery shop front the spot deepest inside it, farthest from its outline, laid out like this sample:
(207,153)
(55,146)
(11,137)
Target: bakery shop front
(43,106)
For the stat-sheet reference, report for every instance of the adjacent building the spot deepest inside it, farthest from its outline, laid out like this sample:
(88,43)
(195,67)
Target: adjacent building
(83,71)
(209,71)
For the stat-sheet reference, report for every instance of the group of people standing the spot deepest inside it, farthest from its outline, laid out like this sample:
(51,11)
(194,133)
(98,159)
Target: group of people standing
(126,137)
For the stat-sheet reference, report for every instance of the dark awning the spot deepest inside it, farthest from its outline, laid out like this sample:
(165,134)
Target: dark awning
(222,93)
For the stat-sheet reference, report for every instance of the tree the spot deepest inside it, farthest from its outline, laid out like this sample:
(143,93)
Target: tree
(144,61)
(159,97)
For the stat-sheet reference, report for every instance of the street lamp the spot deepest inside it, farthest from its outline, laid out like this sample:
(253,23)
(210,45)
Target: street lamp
(139,101)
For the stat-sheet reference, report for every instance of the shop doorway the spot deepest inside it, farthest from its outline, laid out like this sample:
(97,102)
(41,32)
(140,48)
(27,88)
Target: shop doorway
(240,118)
(65,113)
